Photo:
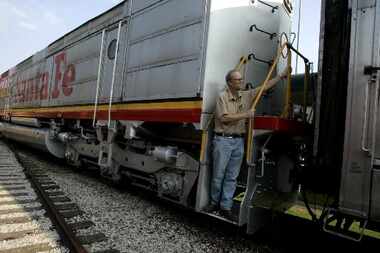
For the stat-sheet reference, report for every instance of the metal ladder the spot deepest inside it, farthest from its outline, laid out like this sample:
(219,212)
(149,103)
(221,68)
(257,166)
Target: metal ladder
(339,224)
(105,154)
(98,81)
(100,68)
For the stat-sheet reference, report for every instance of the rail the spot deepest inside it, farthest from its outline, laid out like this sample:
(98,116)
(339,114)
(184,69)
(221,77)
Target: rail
(274,8)
(253,56)
(288,99)
(99,77)
(256,101)
(114,73)
(70,239)
(271,35)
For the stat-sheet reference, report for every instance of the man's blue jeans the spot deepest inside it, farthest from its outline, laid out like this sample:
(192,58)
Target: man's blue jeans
(228,156)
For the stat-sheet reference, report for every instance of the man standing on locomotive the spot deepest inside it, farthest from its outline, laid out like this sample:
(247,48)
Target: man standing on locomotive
(232,110)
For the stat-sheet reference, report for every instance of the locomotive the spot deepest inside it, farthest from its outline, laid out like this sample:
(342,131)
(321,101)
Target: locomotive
(132,93)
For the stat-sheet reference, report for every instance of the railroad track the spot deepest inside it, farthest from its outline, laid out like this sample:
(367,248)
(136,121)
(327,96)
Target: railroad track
(135,219)
(35,216)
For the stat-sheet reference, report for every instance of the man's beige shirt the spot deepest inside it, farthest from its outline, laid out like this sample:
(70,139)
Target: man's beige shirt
(227,103)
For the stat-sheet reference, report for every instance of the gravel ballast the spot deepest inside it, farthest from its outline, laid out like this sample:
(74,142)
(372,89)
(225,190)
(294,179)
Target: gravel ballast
(135,222)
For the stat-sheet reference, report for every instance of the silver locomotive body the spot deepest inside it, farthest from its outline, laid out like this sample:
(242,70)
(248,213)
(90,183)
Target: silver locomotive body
(132,92)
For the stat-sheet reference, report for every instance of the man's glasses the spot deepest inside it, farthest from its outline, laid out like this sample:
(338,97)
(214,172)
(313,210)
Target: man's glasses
(237,79)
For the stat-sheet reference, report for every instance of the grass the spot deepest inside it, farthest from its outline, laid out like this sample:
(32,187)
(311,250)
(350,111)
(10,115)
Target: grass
(301,212)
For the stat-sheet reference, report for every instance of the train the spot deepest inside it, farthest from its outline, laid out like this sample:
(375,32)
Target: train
(132,93)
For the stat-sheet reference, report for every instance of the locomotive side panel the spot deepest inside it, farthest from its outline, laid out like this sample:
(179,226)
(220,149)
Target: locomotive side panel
(76,63)
(65,73)
(165,50)
(142,4)
(74,74)
(362,95)
(92,26)
(76,71)
(30,82)
(230,39)
(4,91)
(109,60)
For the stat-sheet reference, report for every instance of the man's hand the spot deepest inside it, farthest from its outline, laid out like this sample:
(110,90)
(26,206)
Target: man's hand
(284,73)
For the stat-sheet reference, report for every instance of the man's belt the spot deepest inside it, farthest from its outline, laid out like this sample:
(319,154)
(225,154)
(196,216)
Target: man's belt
(230,135)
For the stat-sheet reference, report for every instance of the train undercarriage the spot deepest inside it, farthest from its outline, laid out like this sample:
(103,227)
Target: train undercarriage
(171,165)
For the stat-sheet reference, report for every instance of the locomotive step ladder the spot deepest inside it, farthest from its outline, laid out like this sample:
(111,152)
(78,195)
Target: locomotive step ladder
(245,211)
(343,225)
(108,125)
(244,197)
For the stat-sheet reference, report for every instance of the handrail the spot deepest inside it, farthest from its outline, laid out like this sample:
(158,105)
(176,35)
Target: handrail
(253,56)
(256,101)
(305,90)
(271,6)
(288,97)
(99,77)
(243,60)
(365,124)
(288,94)
(297,52)
(271,35)
(113,74)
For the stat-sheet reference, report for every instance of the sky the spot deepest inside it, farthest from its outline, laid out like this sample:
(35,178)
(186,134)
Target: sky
(309,31)
(27,26)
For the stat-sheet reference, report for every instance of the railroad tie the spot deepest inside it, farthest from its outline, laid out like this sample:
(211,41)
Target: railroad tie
(15,202)
(18,220)
(29,249)
(89,239)
(18,234)
(20,210)
(81,225)
(16,194)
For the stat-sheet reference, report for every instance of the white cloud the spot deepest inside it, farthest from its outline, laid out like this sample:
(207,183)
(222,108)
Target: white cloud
(52,18)
(19,12)
(28,26)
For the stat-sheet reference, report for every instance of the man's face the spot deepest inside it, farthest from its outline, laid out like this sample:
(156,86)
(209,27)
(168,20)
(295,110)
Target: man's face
(235,81)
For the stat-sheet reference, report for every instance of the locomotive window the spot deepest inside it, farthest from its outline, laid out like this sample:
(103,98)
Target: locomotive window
(112,49)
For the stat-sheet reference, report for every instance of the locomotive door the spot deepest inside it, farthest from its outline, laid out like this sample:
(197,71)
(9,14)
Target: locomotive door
(375,191)
(112,63)
(360,179)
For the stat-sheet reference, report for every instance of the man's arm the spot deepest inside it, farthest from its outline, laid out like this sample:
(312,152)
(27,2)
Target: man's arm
(236,116)
(225,116)
(272,82)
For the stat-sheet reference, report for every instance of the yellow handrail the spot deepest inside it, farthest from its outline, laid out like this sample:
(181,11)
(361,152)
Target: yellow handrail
(243,61)
(256,101)
(286,113)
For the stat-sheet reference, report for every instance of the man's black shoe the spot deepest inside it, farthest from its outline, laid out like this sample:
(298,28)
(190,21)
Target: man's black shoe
(226,214)
(210,208)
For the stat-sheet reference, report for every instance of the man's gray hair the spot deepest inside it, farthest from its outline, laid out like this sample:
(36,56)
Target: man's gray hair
(229,75)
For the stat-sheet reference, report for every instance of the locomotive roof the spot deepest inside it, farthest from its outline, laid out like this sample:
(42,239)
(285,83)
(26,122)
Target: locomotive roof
(88,22)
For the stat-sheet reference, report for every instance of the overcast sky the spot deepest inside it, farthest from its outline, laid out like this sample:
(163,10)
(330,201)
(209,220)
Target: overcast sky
(27,26)
(309,30)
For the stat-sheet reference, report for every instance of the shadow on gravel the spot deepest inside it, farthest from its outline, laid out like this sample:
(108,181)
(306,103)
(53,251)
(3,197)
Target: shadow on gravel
(285,234)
